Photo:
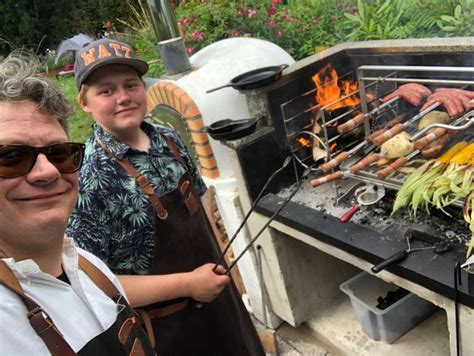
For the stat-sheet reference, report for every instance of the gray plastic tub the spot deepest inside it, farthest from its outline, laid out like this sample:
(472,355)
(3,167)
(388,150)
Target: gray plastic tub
(389,324)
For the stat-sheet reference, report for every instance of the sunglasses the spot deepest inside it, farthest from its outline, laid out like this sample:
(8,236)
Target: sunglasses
(18,160)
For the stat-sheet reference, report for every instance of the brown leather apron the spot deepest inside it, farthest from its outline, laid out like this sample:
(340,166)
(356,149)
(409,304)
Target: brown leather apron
(124,337)
(184,240)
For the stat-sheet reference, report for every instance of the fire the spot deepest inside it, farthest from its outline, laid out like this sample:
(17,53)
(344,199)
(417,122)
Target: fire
(304,142)
(328,90)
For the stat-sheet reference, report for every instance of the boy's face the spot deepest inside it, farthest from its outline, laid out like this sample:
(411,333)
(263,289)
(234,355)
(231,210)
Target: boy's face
(116,99)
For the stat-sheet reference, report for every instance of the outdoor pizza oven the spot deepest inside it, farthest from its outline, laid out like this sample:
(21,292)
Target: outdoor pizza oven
(301,282)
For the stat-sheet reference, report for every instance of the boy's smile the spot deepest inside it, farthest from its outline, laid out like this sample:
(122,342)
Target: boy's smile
(116,99)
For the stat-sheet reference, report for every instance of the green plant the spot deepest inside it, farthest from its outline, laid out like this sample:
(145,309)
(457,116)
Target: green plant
(80,124)
(292,26)
(461,22)
(374,20)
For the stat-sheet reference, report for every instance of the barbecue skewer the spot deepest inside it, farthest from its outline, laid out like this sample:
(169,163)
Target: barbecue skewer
(327,178)
(359,119)
(418,145)
(384,173)
(438,131)
(342,156)
(400,127)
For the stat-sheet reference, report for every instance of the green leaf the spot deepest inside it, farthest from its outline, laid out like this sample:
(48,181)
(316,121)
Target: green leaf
(458,12)
(352,17)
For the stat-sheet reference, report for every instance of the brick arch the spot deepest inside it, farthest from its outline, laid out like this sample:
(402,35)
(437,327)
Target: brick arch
(168,93)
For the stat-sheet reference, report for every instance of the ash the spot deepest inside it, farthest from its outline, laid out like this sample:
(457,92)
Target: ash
(336,198)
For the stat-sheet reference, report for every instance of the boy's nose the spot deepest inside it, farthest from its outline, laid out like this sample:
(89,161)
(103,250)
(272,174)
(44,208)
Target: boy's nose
(123,97)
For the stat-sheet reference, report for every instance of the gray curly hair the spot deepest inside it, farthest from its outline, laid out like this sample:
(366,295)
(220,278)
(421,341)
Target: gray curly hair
(20,81)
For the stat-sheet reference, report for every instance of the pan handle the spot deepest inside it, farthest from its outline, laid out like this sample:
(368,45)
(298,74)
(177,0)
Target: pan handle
(399,256)
(349,214)
(221,87)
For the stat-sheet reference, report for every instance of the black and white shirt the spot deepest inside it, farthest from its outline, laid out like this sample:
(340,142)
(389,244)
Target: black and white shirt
(80,310)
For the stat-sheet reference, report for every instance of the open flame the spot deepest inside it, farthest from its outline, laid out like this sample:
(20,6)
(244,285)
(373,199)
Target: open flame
(304,142)
(329,90)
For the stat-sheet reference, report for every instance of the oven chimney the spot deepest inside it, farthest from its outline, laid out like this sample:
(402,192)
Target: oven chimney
(170,43)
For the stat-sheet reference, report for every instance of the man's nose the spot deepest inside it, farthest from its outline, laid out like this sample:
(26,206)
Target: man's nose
(43,171)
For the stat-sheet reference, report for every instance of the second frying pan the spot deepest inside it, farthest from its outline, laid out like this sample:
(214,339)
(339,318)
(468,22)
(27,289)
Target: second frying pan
(254,79)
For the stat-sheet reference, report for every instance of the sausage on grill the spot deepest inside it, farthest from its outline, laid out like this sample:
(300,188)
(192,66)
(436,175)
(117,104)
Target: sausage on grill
(456,101)
(411,92)
(434,148)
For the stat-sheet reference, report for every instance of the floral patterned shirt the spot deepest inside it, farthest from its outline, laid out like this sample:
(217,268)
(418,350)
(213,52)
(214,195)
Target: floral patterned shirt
(114,218)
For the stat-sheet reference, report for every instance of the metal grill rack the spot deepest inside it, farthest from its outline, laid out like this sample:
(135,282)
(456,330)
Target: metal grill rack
(374,82)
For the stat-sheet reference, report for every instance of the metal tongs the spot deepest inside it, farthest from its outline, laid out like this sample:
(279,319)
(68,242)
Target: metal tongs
(300,182)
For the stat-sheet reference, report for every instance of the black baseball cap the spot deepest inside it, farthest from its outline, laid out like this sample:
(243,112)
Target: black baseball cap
(103,52)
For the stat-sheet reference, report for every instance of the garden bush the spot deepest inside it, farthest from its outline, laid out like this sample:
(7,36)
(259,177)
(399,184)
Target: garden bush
(301,27)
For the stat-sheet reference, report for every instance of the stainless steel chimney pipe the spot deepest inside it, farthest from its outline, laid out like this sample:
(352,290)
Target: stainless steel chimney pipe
(170,43)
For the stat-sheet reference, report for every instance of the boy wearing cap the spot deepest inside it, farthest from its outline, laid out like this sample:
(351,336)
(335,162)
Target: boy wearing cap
(139,208)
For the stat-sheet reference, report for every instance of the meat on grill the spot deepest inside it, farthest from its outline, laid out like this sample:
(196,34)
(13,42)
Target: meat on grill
(411,92)
(435,147)
(456,101)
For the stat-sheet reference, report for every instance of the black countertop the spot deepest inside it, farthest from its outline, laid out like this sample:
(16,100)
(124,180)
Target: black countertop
(426,268)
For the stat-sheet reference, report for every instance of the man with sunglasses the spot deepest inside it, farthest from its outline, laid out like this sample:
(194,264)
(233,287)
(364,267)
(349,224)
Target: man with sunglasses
(54,297)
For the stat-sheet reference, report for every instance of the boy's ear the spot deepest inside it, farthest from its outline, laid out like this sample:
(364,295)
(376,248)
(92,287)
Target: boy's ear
(83,104)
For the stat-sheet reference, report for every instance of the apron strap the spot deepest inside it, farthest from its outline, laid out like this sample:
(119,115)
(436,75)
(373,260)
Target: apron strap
(98,277)
(174,149)
(141,180)
(39,320)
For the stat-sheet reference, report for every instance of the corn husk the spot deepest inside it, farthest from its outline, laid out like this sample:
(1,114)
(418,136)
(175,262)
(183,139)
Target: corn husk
(440,183)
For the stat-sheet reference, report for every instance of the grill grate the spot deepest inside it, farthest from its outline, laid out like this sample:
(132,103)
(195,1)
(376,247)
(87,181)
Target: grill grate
(302,114)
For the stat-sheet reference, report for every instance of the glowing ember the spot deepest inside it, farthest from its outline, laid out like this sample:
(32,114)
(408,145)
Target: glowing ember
(328,90)
(304,142)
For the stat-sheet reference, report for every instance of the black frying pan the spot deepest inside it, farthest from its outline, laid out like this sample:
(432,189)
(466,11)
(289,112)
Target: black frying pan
(228,129)
(254,79)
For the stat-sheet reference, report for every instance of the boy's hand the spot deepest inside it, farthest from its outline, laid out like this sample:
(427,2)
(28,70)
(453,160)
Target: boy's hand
(206,284)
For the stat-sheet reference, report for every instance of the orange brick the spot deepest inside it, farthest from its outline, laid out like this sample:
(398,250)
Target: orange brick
(191,111)
(210,173)
(200,138)
(195,125)
(184,101)
(204,150)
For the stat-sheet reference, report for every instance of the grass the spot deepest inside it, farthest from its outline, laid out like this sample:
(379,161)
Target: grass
(79,123)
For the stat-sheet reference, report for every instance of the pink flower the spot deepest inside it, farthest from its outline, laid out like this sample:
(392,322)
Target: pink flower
(107,25)
(240,12)
(235,34)
(184,21)
(275,2)
(189,50)
(197,36)
(251,12)
(271,11)
(279,33)
(271,23)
